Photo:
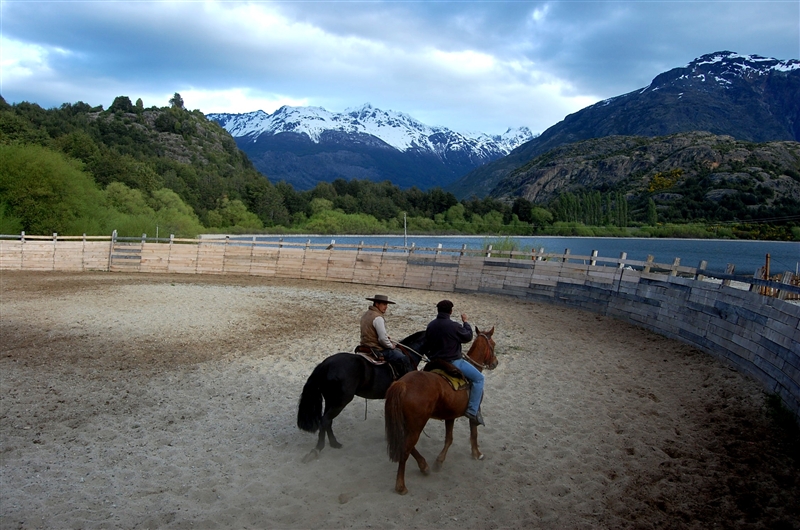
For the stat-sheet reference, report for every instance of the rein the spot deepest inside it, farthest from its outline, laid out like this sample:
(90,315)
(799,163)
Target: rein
(476,364)
(420,355)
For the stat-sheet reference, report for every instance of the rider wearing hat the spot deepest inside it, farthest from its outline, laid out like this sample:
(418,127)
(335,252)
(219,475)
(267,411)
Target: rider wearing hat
(444,338)
(373,335)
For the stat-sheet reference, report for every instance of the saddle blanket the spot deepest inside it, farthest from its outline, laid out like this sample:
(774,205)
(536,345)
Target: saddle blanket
(456,382)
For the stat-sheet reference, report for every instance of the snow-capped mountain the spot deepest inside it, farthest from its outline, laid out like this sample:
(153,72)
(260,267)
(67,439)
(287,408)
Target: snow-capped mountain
(749,97)
(724,69)
(305,145)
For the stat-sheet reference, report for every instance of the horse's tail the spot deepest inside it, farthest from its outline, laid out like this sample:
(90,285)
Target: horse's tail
(395,421)
(309,410)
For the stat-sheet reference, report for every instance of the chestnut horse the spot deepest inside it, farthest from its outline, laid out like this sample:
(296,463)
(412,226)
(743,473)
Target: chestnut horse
(418,396)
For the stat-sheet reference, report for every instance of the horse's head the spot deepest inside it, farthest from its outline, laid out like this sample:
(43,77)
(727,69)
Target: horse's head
(482,350)
(412,346)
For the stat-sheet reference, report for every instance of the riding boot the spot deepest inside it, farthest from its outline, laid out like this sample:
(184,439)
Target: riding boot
(398,370)
(407,366)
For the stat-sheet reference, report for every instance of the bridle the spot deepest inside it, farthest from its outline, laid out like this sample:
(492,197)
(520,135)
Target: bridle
(476,364)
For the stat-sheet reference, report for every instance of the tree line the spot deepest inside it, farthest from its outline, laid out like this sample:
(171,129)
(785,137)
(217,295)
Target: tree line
(81,169)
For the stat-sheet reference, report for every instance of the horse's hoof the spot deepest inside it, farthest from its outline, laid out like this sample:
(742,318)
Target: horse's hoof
(479,457)
(312,455)
(402,491)
(437,466)
(336,445)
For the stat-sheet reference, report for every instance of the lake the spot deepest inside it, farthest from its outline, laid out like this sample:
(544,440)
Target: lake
(748,256)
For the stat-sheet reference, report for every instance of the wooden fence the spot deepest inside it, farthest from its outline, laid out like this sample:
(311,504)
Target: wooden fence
(430,268)
(721,313)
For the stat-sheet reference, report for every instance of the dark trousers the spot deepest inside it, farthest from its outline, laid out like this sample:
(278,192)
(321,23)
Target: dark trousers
(397,359)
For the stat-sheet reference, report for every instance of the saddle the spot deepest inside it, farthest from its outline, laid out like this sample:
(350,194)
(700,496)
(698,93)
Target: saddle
(372,356)
(369,354)
(449,372)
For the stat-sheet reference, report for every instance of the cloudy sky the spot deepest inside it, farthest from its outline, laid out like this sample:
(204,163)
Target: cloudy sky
(466,65)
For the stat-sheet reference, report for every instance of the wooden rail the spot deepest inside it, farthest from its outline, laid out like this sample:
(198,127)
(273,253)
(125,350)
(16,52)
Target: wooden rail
(392,265)
(760,336)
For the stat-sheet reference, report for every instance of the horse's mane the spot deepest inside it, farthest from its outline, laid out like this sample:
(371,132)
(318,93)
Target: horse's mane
(446,367)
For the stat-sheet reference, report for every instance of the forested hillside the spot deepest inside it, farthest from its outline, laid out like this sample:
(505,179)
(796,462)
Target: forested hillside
(80,169)
(680,178)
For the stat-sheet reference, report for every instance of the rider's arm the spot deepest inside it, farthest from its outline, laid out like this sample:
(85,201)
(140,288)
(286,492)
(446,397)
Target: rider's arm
(380,326)
(464,332)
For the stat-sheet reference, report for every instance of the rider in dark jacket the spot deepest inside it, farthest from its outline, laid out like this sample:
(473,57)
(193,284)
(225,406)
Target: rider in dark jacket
(443,339)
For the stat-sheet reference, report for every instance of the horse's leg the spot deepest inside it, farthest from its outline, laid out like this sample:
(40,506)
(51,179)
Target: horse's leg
(414,429)
(421,462)
(448,441)
(473,440)
(326,427)
(400,481)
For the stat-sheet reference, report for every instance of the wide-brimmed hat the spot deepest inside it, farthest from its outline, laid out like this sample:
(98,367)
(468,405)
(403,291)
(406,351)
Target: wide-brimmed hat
(380,298)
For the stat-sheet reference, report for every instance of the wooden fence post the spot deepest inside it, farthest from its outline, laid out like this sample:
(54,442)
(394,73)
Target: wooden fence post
(55,241)
(786,279)
(759,275)
(675,265)
(169,253)
(622,257)
(649,264)
(729,269)
(701,267)
(111,248)
(593,262)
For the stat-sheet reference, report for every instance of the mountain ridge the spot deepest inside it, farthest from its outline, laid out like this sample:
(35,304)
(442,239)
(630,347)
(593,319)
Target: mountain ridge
(306,145)
(749,97)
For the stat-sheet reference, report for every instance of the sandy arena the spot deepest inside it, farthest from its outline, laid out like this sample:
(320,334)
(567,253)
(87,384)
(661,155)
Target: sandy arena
(167,401)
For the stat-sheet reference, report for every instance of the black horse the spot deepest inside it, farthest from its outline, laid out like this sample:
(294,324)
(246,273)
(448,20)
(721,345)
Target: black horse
(338,379)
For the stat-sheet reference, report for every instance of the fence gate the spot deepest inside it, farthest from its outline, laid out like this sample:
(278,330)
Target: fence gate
(126,256)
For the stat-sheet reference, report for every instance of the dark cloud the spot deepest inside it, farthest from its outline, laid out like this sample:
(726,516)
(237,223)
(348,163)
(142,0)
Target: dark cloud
(479,65)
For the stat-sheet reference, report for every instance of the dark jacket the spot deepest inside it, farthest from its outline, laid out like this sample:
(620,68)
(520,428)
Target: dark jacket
(443,338)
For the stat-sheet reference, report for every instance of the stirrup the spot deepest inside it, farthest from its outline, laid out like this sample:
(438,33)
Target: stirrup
(477,418)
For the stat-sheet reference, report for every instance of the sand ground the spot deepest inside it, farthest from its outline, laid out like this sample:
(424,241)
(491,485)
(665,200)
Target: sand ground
(167,401)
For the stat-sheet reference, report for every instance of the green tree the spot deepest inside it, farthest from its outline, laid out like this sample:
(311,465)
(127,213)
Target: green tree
(173,216)
(47,192)
(621,210)
(121,104)
(127,200)
(455,216)
(232,215)
(540,216)
(652,212)
(176,101)
(319,205)
(522,207)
